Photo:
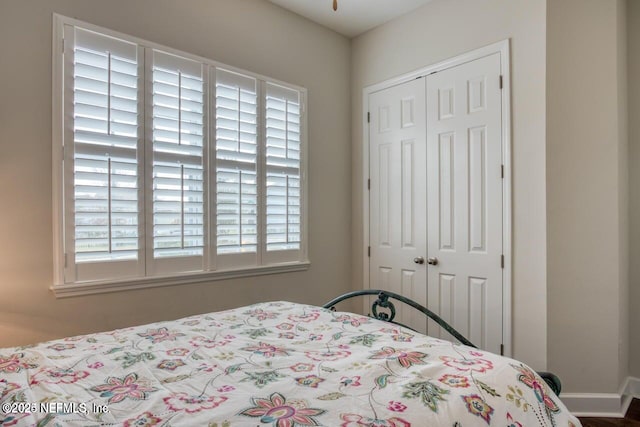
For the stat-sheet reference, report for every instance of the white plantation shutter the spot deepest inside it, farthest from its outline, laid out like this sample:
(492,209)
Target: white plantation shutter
(104,206)
(167,165)
(283,172)
(236,168)
(177,138)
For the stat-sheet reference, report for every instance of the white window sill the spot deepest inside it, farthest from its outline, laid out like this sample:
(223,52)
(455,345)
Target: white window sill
(101,287)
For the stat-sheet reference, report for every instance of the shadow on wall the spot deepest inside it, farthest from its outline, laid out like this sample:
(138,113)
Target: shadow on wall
(14,329)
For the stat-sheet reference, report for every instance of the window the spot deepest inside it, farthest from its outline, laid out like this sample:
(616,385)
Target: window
(172,167)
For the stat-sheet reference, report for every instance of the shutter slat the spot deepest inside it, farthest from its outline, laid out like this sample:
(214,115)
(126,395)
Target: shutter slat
(183,125)
(94,143)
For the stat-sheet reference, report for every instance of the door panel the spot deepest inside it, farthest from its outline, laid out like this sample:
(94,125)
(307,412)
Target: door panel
(464,193)
(397,196)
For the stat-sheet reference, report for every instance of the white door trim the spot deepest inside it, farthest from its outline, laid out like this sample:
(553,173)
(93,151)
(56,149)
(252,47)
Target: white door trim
(503,48)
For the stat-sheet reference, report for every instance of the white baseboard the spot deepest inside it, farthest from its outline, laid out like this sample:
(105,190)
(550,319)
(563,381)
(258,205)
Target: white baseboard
(603,404)
(594,404)
(633,387)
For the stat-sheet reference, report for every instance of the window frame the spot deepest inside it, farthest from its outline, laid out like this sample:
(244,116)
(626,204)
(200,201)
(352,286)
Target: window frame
(62,285)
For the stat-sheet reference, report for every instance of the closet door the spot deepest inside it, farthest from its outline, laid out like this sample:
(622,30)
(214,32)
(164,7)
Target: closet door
(436,198)
(398,197)
(464,193)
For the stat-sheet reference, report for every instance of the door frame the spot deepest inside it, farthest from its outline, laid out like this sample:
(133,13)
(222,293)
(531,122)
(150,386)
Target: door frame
(503,48)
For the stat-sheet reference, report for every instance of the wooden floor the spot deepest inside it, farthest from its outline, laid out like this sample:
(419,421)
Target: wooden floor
(632,419)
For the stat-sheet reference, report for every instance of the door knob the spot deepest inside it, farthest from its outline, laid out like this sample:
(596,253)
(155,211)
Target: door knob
(432,261)
(419,260)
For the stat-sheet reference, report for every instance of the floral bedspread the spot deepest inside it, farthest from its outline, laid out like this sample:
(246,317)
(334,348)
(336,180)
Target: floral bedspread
(271,364)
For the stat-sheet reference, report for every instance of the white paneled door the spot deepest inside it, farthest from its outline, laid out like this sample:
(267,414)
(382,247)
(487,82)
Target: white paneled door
(437,194)
(398,197)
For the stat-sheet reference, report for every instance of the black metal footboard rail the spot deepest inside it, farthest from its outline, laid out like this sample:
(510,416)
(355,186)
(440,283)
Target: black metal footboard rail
(383,302)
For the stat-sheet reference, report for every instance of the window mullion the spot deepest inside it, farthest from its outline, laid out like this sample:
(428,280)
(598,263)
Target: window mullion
(206,250)
(148,159)
(261,172)
(142,166)
(213,169)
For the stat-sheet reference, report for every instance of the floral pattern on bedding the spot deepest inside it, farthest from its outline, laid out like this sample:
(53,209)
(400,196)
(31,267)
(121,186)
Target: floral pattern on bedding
(274,364)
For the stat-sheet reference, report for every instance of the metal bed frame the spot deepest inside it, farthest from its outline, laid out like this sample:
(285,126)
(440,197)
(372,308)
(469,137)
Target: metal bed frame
(383,302)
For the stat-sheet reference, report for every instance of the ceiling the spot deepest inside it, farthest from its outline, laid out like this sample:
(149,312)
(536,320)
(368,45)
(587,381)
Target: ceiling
(353,17)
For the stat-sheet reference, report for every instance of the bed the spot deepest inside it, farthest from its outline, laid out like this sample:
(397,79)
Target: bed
(277,364)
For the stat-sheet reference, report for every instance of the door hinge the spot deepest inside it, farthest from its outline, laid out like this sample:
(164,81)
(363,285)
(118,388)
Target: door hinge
(369,184)
(501,171)
(369,251)
(501,261)
(500,81)
(368,117)
(501,349)
(62,45)
(65,260)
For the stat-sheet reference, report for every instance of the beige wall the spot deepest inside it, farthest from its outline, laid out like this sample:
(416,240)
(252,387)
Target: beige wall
(250,34)
(443,29)
(623,187)
(586,194)
(633,26)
